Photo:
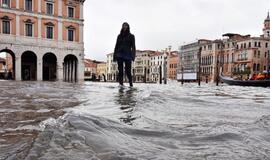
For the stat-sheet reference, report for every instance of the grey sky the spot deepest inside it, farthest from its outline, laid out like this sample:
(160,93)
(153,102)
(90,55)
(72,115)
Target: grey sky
(157,24)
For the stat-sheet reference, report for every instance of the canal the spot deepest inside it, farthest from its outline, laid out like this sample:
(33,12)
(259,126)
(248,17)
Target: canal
(40,120)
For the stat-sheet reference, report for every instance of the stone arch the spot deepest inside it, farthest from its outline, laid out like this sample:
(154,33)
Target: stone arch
(29,66)
(11,68)
(70,68)
(49,70)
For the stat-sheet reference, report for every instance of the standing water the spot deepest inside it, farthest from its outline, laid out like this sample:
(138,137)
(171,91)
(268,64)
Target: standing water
(102,121)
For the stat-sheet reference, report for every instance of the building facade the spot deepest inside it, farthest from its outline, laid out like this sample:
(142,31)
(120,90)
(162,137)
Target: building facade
(210,53)
(44,38)
(112,70)
(188,63)
(90,68)
(172,65)
(141,66)
(102,71)
(158,65)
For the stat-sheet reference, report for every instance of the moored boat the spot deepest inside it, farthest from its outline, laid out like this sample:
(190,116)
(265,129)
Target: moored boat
(254,83)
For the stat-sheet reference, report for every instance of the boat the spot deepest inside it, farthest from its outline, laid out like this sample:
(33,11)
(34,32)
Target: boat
(253,83)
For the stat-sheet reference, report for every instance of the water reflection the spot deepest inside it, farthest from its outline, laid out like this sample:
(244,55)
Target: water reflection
(126,98)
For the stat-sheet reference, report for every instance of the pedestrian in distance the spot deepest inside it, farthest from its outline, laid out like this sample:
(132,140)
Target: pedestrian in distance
(124,53)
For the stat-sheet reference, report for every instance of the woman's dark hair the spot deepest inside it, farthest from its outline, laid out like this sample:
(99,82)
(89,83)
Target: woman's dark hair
(126,32)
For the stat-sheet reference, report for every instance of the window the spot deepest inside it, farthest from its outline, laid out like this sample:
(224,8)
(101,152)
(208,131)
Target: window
(258,67)
(259,44)
(28,5)
(49,32)
(254,67)
(6,3)
(28,30)
(266,45)
(70,12)
(49,8)
(249,44)
(6,27)
(70,35)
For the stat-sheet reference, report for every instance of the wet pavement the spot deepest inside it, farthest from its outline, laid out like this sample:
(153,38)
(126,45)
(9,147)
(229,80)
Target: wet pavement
(55,120)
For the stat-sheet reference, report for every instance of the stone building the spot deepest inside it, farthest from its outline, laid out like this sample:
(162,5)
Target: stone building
(210,54)
(44,38)
(90,68)
(172,65)
(102,71)
(112,69)
(141,66)
(158,60)
(188,63)
(238,55)
(2,65)
(246,55)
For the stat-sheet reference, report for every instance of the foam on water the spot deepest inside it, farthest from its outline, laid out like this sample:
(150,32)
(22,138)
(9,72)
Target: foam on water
(149,121)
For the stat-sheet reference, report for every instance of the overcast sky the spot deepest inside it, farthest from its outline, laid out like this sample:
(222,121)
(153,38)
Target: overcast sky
(157,24)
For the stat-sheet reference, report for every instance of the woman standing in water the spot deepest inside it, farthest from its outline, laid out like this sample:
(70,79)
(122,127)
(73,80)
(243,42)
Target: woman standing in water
(124,52)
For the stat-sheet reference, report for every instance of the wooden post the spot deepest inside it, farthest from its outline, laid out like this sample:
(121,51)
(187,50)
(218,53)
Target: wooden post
(199,71)
(160,75)
(165,71)
(268,60)
(182,79)
(217,72)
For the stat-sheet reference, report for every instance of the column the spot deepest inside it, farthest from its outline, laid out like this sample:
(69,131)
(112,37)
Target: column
(39,6)
(39,69)
(68,70)
(18,68)
(60,70)
(80,70)
(81,33)
(76,71)
(60,7)
(17,4)
(71,71)
(60,30)
(17,25)
(81,10)
(39,27)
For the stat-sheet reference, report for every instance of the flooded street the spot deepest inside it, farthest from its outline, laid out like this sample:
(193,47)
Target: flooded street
(52,121)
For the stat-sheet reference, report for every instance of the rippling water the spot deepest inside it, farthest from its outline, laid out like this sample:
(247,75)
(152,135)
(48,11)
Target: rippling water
(102,121)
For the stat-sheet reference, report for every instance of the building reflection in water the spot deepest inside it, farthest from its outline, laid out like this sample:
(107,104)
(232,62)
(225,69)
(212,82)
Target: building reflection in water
(126,98)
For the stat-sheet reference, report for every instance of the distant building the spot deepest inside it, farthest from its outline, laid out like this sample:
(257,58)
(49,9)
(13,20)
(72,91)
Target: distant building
(172,65)
(189,61)
(112,70)
(210,53)
(102,71)
(91,70)
(2,64)
(141,66)
(157,65)
(246,55)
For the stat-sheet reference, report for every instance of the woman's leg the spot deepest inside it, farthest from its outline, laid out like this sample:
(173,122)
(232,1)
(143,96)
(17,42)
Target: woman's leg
(121,72)
(128,72)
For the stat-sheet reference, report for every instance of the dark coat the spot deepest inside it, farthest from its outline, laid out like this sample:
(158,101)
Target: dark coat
(125,48)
